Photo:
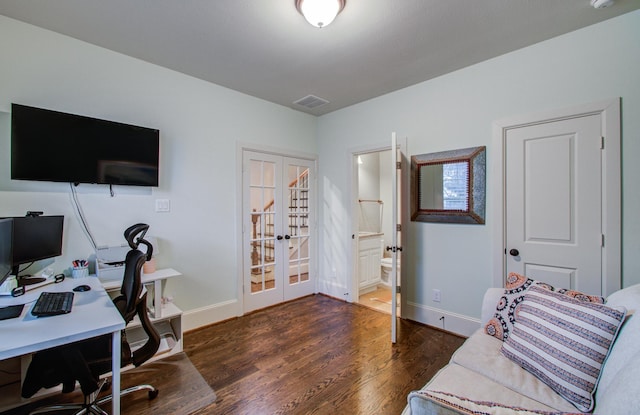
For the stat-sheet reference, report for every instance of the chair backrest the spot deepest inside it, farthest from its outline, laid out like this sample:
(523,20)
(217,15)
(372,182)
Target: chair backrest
(132,280)
(131,301)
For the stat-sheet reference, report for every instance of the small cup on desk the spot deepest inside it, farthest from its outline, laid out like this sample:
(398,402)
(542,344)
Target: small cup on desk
(80,272)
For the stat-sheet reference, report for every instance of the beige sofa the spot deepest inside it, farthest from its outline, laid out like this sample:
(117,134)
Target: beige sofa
(480,378)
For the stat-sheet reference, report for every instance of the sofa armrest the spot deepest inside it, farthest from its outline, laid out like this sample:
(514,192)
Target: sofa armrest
(489,302)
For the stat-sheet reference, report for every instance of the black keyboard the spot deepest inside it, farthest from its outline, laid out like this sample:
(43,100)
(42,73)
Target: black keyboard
(52,304)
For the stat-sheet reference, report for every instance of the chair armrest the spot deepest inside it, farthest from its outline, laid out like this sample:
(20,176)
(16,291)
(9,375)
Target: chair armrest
(489,303)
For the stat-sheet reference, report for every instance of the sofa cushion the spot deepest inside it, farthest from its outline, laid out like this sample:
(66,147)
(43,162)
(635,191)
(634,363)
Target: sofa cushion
(481,354)
(515,289)
(444,403)
(460,381)
(627,343)
(564,342)
(621,395)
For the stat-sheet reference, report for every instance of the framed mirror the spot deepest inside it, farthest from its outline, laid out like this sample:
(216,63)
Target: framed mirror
(449,186)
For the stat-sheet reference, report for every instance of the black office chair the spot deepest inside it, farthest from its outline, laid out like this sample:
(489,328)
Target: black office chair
(87,360)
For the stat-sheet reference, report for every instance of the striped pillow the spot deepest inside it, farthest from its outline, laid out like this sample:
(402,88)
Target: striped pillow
(563,342)
(501,324)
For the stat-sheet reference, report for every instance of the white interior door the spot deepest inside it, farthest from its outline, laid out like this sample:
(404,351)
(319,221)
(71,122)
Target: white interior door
(278,231)
(554,202)
(397,186)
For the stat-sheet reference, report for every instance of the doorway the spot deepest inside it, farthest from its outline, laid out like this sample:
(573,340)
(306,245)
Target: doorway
(279,235)
(372,261)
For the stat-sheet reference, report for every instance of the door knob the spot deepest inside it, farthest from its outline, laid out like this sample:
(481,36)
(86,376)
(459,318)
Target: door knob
(514,252)
(279,237)
(287,237)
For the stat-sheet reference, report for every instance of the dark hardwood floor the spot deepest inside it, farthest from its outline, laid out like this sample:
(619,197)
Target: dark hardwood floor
(315,355)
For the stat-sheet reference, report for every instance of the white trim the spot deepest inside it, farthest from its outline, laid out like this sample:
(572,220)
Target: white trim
(446,320)
(609,111)
(210,314)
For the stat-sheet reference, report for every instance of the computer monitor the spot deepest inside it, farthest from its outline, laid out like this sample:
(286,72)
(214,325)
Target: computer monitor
(35,237)
(6,257)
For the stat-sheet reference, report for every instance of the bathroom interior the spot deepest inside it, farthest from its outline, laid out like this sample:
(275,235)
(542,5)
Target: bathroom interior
(375,231)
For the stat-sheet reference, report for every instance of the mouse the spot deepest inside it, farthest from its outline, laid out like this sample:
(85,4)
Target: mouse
(82,288)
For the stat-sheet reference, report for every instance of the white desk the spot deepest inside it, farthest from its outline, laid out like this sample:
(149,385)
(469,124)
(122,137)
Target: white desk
(93,314)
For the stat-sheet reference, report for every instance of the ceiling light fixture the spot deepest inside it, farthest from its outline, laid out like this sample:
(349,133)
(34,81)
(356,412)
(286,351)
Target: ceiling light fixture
(601,4)
(320,13)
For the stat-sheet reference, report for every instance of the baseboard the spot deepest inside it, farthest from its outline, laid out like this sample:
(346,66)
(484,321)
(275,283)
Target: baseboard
(215,313)
(446,320)
(333,289)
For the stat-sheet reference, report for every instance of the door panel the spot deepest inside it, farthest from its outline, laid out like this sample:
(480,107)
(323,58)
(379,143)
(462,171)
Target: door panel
(261,207)
(553,203)
(299,229)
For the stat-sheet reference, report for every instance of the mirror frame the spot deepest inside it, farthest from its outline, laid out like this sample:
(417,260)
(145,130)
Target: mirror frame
(476,157)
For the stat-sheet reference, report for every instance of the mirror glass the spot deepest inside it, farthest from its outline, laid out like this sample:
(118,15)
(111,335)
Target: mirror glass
(449,186)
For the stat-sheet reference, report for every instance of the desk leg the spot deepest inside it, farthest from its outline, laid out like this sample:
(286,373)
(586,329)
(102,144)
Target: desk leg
(115,370)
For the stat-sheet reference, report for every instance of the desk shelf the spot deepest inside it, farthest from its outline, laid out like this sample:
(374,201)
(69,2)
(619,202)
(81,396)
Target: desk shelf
(167,317)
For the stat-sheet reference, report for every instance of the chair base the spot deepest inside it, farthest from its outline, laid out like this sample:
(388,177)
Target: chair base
(91,404)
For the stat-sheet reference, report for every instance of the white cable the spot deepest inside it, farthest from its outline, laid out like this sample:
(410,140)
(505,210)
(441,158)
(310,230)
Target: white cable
(80,216)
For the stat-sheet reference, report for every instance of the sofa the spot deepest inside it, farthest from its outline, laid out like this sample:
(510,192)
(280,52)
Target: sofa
(481,379)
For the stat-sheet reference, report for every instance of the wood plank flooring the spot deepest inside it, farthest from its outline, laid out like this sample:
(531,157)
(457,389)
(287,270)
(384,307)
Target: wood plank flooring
(315,355)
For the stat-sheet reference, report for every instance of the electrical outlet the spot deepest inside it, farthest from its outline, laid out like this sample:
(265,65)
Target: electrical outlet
(436,295)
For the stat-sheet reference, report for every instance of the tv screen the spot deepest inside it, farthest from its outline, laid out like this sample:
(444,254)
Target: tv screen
(54,146)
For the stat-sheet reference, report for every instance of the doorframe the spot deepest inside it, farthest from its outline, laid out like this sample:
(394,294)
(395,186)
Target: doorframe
(609,112)
(352,157)
(241,147)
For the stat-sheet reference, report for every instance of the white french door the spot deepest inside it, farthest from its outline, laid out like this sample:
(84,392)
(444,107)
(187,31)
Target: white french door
(278,229)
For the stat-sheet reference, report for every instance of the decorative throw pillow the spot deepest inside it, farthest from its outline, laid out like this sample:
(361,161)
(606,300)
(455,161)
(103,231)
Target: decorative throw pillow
(564,342)
(448,404)
(516,287)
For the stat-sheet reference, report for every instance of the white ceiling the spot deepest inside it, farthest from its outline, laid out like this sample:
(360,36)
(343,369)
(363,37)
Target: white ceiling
(266,49)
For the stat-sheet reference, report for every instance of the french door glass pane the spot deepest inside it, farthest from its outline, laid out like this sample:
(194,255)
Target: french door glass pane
(262,239)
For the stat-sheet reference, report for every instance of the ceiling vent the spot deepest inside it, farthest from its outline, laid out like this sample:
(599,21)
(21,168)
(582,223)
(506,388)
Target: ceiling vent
(311,101)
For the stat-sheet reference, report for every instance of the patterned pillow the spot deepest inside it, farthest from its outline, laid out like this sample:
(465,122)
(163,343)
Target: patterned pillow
(564,342)
(448,404)
(516,287)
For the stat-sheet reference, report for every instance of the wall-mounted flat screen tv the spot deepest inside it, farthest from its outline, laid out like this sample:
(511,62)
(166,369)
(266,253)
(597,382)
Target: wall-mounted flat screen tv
(58,147)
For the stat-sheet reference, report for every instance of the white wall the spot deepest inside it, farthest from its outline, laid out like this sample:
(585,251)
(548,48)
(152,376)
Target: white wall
(200,124)
(457,111)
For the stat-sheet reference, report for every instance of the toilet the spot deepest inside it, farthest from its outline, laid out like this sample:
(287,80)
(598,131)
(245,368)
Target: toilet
(385,264)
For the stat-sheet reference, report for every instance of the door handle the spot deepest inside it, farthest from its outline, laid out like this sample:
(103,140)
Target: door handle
(514,252)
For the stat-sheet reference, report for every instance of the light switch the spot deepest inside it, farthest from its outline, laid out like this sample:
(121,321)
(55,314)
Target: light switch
(163,205)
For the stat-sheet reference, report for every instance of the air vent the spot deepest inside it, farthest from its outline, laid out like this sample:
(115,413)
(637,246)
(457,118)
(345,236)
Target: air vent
(311,101)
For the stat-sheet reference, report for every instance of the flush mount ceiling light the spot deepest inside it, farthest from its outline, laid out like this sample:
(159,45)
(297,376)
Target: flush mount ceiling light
(601,4)
(320,13)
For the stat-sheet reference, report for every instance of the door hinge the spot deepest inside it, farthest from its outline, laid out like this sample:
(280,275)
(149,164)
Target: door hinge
(398,227)
(602,143)
(399,165)
(398,289)
(602,241)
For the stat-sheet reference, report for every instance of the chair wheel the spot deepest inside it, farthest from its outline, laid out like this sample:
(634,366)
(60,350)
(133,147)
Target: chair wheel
(153,394)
